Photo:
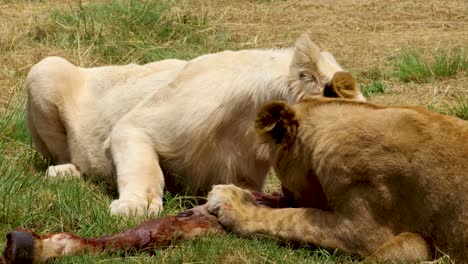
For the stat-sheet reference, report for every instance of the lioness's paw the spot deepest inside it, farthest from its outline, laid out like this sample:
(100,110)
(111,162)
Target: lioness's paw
(232,205)
(135,207)
(63,170)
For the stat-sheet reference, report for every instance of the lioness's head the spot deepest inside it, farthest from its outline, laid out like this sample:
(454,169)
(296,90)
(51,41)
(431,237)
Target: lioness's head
(281,130)
(277,126)
(314,72)
(277,122)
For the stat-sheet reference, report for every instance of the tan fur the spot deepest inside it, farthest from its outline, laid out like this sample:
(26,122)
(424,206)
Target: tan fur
(392,181)
(181,124)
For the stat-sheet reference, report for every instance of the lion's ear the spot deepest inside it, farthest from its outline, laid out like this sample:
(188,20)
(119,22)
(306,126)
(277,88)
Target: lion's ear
(342,85)
(305,63)
(277,121)
(306,54)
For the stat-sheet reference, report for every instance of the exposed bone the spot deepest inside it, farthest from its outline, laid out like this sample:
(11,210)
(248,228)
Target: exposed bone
(24,246)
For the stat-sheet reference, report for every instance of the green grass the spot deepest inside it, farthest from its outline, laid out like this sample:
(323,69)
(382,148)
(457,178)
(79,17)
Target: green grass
(459,107)
(374,73)
(116,32)
(375,87)
(28,199)
(227,248)
(136,31)
(127,31)
(412,66)
(448,63)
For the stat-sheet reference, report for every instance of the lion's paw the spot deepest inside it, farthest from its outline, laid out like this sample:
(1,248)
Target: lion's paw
(63,170)
(232,205)
(135,207)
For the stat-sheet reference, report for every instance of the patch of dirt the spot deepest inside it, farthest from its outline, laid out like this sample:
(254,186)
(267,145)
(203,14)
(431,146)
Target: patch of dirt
(360,33)
(18,52)
(438,94)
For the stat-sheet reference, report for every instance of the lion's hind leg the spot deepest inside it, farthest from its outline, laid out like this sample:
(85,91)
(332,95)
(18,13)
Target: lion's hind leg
(53,85)
(403,248)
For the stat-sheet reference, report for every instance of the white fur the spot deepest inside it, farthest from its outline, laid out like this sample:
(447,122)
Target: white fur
(63,170)
(186,123)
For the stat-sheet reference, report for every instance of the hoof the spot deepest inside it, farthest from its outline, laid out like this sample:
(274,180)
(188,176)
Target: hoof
(20,247)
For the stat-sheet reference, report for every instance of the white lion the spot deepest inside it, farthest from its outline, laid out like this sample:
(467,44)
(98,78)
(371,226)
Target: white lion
(186,125)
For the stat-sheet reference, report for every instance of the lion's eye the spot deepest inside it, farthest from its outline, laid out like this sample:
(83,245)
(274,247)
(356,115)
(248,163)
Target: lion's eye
(307,77)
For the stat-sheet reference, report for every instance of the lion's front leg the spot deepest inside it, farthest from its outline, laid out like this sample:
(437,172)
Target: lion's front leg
(140,179)
(236,211)
(235,208)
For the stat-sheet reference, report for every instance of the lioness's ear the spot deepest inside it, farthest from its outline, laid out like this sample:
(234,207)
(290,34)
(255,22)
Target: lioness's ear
(343,85)
(277,121)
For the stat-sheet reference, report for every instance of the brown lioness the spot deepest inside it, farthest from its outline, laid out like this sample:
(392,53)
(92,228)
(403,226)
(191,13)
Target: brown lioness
(386,183)
(184,125)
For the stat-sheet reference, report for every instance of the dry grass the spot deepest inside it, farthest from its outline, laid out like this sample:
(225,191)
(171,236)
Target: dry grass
(365,36)
(361,34)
